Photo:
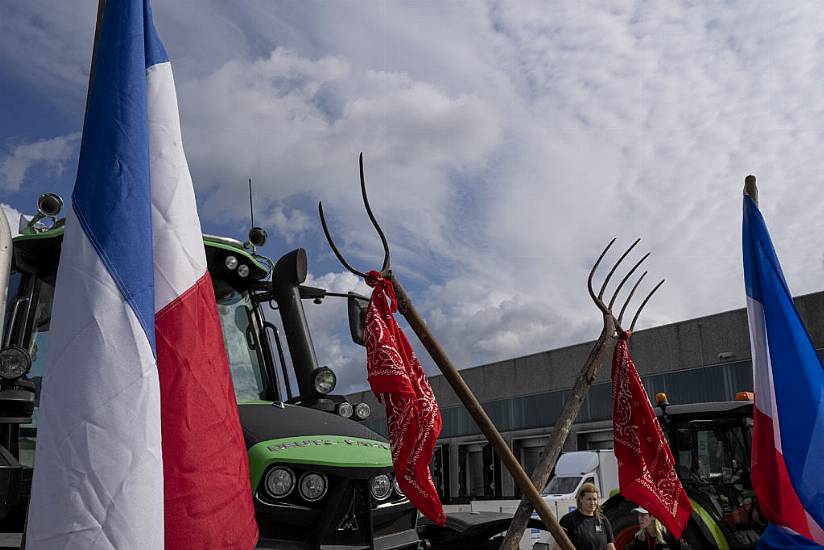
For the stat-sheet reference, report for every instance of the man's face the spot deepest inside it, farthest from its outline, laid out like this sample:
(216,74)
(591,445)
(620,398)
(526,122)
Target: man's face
(589,503)
(644,520)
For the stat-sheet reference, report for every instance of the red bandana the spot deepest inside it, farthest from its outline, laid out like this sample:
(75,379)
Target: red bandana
(646,469)
(412,414)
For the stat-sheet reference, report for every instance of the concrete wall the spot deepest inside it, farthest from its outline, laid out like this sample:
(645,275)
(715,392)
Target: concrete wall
(690,358)
(691,344)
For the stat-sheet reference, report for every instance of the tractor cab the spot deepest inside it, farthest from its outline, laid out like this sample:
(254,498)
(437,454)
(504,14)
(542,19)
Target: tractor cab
(711,444)
(319,476)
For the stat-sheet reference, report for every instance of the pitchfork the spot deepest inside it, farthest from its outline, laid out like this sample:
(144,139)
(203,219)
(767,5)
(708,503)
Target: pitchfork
(597,357)
(451,374)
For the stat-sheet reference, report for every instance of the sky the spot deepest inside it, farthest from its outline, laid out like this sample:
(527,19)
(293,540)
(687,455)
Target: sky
(505,144)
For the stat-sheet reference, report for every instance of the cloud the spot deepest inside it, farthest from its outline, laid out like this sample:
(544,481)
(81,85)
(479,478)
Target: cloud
(297,124)
(505,143)
(290,223)
(52,153)
(49,47)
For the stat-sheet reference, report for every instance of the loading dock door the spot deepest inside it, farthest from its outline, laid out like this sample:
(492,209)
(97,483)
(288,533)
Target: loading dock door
(440,471)
(479,471)
(529,451)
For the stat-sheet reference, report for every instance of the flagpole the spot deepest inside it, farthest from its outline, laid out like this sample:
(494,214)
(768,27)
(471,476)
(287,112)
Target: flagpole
(750,189)
(101,5)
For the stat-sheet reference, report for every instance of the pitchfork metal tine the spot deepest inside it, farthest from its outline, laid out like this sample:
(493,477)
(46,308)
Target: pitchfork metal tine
(637,313)
(629,298)
(337,253)
(614,267)
(607,309)
(624,280)
(335,248)
(372,217)
(595,299)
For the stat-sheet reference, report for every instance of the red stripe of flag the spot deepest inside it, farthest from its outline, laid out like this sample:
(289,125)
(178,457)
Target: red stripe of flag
(207,496)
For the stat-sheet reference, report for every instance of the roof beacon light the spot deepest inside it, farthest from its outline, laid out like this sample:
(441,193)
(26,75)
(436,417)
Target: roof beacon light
(744,396)
(661,399)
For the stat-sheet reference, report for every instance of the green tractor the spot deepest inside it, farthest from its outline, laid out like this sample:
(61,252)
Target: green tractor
(711,444)
(319,477)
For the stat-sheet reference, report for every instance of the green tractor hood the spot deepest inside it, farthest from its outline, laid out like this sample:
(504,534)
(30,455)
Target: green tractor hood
(301,435)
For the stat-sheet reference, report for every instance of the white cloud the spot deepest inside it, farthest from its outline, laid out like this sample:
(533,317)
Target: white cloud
(296,125)
(290,223)
(505,144)
(53,153)
(49,46)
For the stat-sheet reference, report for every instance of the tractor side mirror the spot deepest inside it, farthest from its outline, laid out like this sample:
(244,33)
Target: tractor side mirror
(357,305)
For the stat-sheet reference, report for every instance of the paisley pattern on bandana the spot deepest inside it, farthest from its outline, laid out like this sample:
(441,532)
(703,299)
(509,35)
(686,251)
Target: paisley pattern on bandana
(646,468)
(413,417)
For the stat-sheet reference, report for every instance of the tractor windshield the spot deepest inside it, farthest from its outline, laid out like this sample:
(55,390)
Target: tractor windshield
(713,461)
(241,339)
(713,451)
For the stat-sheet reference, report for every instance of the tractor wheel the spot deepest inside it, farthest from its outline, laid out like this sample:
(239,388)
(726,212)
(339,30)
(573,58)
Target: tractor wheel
(625,525)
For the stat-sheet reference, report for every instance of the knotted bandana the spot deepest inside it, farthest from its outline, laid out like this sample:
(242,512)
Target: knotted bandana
(646,469)
(412,414)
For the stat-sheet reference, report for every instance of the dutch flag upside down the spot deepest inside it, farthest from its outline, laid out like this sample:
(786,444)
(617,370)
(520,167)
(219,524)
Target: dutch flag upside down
(139,444)
(788,439)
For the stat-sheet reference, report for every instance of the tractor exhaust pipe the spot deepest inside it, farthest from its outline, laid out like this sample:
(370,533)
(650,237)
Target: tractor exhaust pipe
(289,272)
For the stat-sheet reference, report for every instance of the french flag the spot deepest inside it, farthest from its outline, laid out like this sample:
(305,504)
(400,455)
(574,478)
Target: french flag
(788,438)
(139,441)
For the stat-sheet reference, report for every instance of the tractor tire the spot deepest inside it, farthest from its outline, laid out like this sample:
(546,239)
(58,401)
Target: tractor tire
(625,525)
(623,522)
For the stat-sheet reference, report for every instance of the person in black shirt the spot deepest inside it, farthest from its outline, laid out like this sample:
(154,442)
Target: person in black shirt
(587,527)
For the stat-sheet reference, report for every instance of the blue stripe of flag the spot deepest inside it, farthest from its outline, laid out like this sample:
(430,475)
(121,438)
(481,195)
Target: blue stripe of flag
(112,193)
(778,538)
(798,376)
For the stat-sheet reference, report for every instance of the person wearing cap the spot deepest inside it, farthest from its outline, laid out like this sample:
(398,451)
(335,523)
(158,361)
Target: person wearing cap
(652,535)
(587,527)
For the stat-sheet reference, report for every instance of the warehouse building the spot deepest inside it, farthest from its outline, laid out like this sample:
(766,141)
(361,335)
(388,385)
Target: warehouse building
(699,360)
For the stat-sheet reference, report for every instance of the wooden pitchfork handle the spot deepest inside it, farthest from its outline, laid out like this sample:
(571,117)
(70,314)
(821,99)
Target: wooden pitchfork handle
(478,414)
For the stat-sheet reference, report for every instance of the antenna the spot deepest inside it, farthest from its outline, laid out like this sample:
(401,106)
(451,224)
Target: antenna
(251,204)
(257,235)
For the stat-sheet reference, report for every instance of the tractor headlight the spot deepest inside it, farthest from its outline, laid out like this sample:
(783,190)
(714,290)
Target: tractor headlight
(345,409)
(280,481)
(312,486)
(324,380)
(243,270)
(380,486)
(231,262)
(397,487)
(14,362)
(362,411)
